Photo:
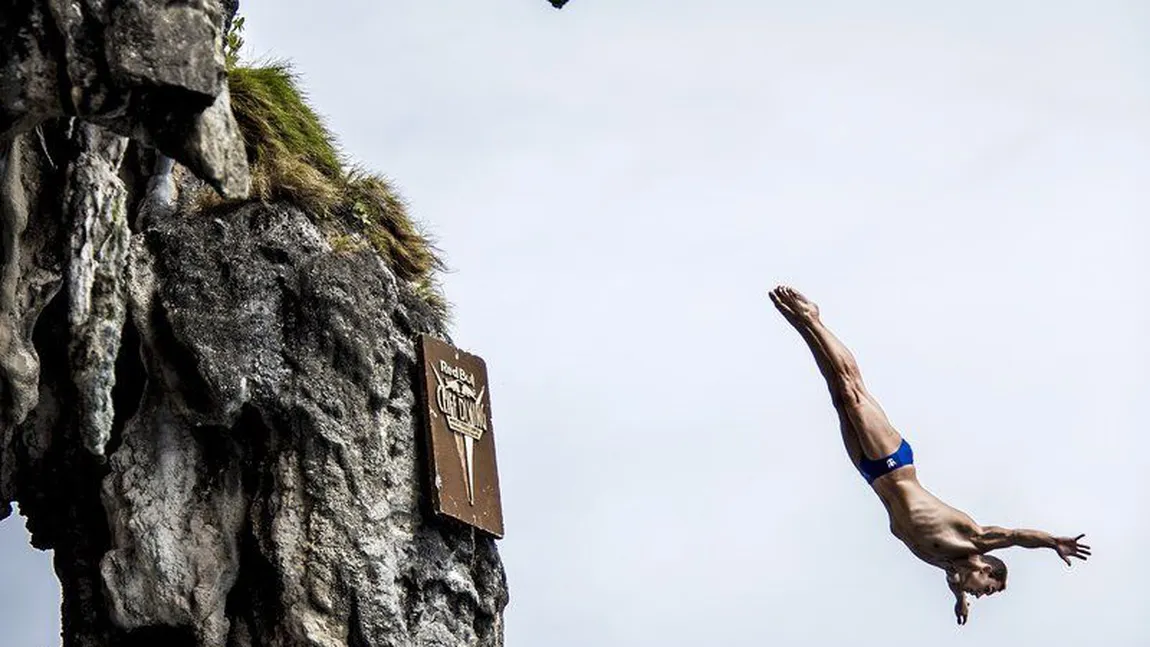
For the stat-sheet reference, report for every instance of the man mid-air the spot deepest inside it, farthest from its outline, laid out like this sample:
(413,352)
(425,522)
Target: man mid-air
(938,534)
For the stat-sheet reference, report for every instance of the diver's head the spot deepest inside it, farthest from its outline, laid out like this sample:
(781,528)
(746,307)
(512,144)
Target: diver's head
(982,575)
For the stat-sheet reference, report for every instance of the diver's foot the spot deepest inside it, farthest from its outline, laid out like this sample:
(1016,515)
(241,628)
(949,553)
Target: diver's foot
(794,306)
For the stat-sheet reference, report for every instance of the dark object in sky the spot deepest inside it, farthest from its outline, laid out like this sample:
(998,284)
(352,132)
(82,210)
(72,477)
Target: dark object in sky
(558,4)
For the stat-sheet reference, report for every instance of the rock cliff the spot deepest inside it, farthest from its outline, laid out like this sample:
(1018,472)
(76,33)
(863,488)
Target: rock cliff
(206,401)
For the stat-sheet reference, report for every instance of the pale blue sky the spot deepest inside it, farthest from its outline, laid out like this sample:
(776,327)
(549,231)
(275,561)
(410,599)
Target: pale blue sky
(616,185)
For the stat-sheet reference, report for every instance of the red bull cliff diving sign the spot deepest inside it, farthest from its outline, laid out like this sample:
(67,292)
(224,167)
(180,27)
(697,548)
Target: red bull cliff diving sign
(463,475)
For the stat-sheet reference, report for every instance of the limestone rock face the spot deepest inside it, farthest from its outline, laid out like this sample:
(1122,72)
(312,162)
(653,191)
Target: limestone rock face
(219,437)
(207,413)
(152,70)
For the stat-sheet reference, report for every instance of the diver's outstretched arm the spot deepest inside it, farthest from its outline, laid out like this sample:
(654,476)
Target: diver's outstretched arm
(961,608)
(993,538)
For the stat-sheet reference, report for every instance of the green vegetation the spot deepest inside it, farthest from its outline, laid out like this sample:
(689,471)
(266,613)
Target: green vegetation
(233,41)
(295,158)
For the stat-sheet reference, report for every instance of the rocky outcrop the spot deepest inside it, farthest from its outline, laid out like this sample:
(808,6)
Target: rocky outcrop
(262,476)
(146,69)
(206,412)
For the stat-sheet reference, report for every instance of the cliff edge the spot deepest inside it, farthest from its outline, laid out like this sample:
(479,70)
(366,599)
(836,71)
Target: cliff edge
(207,350)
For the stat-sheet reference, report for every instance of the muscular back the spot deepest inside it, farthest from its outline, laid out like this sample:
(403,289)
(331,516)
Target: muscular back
(934,531)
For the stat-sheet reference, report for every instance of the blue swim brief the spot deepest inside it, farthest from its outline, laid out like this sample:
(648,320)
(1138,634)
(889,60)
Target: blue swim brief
(872,469)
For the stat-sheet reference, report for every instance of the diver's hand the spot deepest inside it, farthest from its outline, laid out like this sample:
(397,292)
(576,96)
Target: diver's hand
(1068,547)
(961,610)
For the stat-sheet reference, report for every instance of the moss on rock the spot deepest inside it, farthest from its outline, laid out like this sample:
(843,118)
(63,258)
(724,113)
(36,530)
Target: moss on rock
(295,158)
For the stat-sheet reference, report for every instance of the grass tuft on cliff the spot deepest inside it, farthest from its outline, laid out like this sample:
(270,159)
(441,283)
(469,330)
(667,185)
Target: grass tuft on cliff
(293,154)
(295,158)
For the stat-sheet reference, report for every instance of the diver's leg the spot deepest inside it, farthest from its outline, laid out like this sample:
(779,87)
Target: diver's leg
(874,436)
(846,428)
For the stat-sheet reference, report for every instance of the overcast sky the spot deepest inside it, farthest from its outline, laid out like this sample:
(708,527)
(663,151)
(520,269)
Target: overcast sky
(963,190)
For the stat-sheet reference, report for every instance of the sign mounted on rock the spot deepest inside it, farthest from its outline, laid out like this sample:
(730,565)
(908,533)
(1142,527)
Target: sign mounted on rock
(463,475)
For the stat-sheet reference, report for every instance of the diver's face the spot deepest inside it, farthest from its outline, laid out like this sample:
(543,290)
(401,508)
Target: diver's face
(979,583)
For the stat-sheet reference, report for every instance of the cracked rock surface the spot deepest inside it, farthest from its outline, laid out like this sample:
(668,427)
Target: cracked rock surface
(206,413)
(151,70)
(209,416)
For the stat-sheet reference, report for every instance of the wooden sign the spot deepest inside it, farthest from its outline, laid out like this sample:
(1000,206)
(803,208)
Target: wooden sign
(463,475)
